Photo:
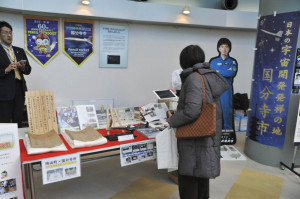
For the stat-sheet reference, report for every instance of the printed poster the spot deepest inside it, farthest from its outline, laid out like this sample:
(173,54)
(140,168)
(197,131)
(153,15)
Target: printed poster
(10,164)
(137,152)
(273,75)
(113,46)
(87,116)
(42,38)
(296,82)
(78,40)
(297,129)
(61,168)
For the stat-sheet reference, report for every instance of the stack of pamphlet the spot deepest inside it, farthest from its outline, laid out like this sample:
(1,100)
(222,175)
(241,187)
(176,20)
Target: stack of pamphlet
(155,114)
(148,132)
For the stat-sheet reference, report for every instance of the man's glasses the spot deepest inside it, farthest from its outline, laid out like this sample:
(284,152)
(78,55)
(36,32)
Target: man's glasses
(7,33)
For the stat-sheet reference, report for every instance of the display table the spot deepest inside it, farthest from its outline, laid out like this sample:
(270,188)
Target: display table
(27,161)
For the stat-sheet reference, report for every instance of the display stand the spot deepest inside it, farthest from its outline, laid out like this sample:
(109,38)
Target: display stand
(296,143)
(283,166)
(112,113)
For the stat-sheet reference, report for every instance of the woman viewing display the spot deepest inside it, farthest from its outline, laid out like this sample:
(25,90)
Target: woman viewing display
(199,158)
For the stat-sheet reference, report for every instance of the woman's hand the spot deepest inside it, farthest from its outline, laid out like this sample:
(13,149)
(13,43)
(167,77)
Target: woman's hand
(172,89)
(169,117)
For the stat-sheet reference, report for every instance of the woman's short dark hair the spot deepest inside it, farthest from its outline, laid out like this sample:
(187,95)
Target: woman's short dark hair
(190,56)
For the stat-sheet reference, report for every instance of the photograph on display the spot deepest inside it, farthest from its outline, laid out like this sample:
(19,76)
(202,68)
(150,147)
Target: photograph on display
(8,186)
(298,59)
(55,174)
(297,78)
(69,172)
(128,160)
(151,145)
(150,154)
(67,117)
(134,159)
(143,147)
(6,141)
(127,149)
(143,156)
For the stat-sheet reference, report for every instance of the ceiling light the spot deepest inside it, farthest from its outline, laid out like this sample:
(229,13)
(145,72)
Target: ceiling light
(85,2)
(186,10)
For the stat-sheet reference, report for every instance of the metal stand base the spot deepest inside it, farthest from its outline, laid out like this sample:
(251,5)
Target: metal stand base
(283,166)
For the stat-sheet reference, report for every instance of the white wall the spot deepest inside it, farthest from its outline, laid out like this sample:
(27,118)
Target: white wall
(243,5)
(153,54)
(137,12)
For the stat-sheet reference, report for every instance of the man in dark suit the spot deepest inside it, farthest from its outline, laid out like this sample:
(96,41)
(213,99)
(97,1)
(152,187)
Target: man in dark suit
(13,65)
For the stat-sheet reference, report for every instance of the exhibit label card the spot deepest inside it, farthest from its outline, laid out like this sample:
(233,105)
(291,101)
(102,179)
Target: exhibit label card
(10,164)
(137,152)
(61,168)
(113,46)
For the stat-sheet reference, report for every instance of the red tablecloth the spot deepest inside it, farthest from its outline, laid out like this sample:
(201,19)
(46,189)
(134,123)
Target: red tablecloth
(26,157)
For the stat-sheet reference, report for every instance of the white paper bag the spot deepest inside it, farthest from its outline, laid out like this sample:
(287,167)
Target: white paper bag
(166,147)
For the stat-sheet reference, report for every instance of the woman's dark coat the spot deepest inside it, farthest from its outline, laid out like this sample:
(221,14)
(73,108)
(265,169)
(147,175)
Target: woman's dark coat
(199,157)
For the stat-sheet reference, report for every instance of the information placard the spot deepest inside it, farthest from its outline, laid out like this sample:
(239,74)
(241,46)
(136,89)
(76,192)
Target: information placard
(137,152)
(61,168)
(113,46)
(10,164)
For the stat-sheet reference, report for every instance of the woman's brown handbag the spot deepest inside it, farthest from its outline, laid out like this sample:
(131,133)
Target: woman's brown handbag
(205,125)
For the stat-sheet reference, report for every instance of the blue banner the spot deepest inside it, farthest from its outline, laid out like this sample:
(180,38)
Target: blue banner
(273,74)
(78,40)
(42,38)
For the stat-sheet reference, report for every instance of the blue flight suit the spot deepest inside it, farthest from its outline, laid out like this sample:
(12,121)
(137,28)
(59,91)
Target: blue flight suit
(222,67)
